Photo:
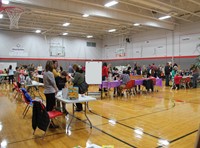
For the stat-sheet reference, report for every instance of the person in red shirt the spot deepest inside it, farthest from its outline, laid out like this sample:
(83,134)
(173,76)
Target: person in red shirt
(104,74)
(177,80)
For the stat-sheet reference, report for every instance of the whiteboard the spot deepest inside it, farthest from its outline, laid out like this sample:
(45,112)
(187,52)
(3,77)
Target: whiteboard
(5,65)
(93,72)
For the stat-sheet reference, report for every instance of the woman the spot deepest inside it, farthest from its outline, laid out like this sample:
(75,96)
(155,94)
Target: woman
(50,88)
(10,74)
(77,81)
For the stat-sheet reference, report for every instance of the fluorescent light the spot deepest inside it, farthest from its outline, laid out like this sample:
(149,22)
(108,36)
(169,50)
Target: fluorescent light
(136,24)
(65,33)
(66,24)
(89,36)
(85,15)
(109,4)
(1,16)
(5,2)
(112,30)
(164,17)
(38,31)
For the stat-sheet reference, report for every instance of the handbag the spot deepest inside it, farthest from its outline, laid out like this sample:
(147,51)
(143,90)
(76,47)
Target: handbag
(83,88)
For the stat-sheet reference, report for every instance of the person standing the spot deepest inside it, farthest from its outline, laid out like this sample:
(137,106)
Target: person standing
(195,75)
(39,69)
(104,75)
(10,74)
(167,74)
(55,72)
(50,88)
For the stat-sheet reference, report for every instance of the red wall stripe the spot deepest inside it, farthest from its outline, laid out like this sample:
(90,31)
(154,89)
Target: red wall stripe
(114,59)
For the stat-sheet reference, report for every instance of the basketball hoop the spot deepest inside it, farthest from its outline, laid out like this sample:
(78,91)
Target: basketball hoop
(14,13)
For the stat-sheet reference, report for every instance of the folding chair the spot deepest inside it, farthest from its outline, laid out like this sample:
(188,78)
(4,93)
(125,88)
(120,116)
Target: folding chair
(183,82)
(41,118)
(188,80)
(17,89)
(129,85)
(28,100)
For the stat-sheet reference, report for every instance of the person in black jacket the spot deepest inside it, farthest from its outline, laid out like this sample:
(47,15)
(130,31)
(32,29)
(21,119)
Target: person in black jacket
(167,74)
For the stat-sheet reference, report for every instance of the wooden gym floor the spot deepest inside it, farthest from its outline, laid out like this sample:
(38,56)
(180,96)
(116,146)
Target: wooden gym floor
(168,118)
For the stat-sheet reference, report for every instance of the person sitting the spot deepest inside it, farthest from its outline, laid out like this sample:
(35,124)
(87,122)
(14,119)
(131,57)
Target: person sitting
(124,78)
(78,80)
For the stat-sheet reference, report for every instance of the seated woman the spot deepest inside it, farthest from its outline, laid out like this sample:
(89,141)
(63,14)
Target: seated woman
(79,81)
(125,78)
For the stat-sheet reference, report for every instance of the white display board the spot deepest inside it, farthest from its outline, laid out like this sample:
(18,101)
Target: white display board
(57,51)
(93,72)
(5,65)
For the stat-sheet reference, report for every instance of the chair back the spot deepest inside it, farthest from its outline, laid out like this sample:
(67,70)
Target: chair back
(188,79)
(183,81)
(16,87)
(136,77)
(130,84)
(27,98)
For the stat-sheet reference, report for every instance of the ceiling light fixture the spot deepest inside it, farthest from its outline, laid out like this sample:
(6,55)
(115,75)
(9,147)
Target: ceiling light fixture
(5,2)
(164,17)
(136,24)
(85,15)
(38,31)
(112,30)
(66,24)
(65,33)
(89,36)
(1,16)
(109,4)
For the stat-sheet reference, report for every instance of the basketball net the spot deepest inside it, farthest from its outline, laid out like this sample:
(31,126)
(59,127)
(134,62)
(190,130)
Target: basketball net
(14,13)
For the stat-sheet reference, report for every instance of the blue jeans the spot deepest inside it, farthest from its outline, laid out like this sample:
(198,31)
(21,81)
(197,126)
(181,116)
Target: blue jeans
(194,80)
(166,80)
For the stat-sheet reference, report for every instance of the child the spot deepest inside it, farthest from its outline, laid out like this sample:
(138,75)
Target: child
(177,80)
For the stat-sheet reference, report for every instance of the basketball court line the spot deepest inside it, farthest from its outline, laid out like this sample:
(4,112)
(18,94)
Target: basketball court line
(183,136)
(132,118)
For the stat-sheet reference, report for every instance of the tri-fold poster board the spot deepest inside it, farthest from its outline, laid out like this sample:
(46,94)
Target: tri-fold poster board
(93,72)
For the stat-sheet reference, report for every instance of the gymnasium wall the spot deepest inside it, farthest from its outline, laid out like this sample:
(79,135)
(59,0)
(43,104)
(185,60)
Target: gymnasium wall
(181,46)
(36,46)
(157,46)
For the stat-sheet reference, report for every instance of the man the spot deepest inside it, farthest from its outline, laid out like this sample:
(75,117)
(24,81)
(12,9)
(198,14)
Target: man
(167,74)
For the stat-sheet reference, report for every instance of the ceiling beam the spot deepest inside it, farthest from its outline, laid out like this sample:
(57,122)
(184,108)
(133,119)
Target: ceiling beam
(81,8)
(174,7)
(195,2)
(150,9)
